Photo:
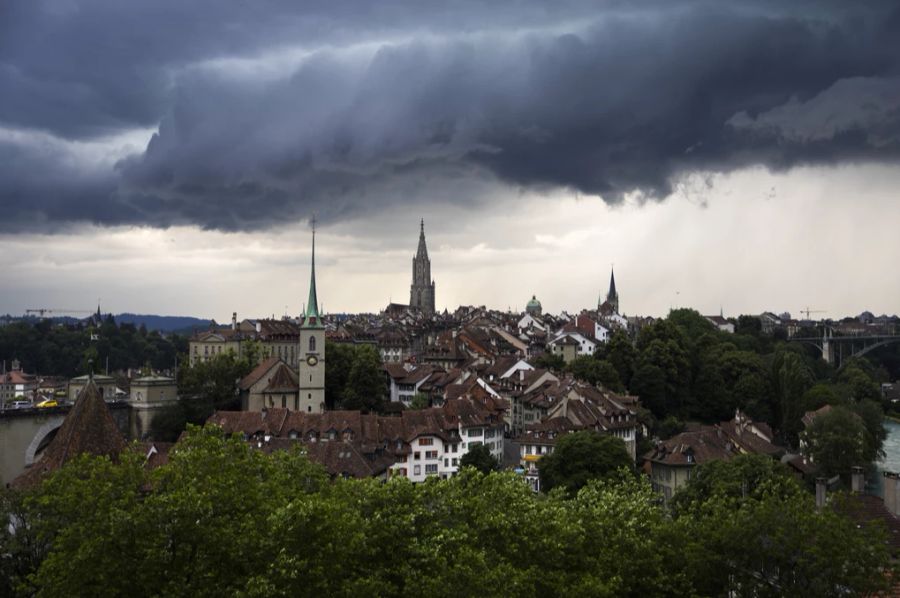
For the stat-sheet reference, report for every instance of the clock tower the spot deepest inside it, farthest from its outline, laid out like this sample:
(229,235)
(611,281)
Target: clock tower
(312,347)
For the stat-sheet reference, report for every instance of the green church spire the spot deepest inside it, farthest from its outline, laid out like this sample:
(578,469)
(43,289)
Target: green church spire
(312,318)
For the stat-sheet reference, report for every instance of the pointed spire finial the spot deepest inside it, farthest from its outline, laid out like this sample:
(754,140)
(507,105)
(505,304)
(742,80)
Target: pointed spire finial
(311,310)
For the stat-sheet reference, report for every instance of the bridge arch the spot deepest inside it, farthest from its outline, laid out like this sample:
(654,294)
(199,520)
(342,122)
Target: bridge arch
(40,440)
(865,350)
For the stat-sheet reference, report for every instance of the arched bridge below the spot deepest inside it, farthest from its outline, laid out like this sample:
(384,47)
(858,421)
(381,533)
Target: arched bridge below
(24,433)
(836,350)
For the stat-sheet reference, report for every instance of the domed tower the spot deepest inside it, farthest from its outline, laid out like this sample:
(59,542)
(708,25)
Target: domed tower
(533,307)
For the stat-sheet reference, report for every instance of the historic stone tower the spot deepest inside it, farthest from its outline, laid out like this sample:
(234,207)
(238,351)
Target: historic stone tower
(311,372)
(611,305)
(613,296)
(421,293)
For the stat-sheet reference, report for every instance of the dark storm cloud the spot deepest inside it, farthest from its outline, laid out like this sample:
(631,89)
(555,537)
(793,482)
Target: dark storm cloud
(387,103)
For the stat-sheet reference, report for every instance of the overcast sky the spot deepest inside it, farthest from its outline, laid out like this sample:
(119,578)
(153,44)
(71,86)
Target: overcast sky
(165,156)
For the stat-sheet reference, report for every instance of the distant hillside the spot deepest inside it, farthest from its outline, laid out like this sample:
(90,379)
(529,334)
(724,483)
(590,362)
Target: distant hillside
(182,324)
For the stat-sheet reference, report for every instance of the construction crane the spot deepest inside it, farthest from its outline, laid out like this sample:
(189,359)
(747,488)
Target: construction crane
(55,310)
(808,311)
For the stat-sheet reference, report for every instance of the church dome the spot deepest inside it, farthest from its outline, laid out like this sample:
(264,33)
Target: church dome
(534,302)
(533,307)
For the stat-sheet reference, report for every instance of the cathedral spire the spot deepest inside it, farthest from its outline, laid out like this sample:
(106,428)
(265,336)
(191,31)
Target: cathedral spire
(612,285)
(312,318)
(422,250)
(421,293)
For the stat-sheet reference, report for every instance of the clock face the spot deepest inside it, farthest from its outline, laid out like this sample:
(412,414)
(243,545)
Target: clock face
(312,360)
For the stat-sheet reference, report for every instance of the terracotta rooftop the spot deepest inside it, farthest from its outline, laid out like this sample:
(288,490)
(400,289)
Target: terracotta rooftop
(88,428)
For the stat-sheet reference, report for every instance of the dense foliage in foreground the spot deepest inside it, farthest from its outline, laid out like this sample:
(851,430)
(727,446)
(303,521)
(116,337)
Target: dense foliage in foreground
(220,519)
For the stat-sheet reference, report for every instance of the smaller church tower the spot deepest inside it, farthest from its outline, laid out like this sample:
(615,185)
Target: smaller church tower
(311,370)
(421,292)
(611,305)
(612,296)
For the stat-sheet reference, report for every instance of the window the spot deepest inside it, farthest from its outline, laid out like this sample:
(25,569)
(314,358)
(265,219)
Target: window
(431,454)
(489,433)
(455,462)
(431,469)
(426,441)
(416,455)
(312,344)
(446,462)
(417,470)
(528,449)
(473,432)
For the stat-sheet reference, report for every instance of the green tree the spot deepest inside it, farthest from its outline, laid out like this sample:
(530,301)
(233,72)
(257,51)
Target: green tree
(480,457)
(582,456)
(168,423)
(208,386)
(837,441)
(649,383)
(620,352)
(859,383)
(340,360)
(741,478)
(872,416)
(670,360)
(420,401)
(669,427)
(549,361)
(366,387)
(792,378)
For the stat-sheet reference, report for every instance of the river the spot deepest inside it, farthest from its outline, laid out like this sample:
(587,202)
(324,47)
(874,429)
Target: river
(891,460)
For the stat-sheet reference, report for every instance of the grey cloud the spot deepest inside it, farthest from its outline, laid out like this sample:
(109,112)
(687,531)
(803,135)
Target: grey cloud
(606,102)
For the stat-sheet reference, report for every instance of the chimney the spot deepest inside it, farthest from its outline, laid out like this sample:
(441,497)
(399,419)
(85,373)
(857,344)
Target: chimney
(857,480)
(891,497)
(234,320)
(820,492)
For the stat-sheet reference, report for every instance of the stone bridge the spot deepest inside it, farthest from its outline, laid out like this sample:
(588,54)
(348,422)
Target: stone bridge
(24,433)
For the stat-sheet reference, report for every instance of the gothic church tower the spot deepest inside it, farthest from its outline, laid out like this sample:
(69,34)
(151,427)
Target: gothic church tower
(421,293)
(312,348)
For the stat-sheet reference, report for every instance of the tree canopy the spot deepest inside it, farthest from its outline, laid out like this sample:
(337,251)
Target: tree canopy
(354,378)
(582,456)
(480,457)
(50,348)
(221,518)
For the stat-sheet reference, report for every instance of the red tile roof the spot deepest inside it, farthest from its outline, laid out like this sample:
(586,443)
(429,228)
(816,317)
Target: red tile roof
(88,428)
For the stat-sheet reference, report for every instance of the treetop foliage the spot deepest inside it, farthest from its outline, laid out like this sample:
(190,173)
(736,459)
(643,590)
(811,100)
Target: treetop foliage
(221,518)
(53,349)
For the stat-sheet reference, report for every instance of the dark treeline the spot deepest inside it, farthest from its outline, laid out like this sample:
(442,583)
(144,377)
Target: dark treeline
(49,348)
(683,368)
(221,519)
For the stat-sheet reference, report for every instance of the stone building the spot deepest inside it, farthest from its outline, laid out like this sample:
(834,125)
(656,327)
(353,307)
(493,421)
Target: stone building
(421,293)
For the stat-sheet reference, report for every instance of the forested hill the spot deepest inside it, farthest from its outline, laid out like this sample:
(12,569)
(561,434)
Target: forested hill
(165,324)
(47,347)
